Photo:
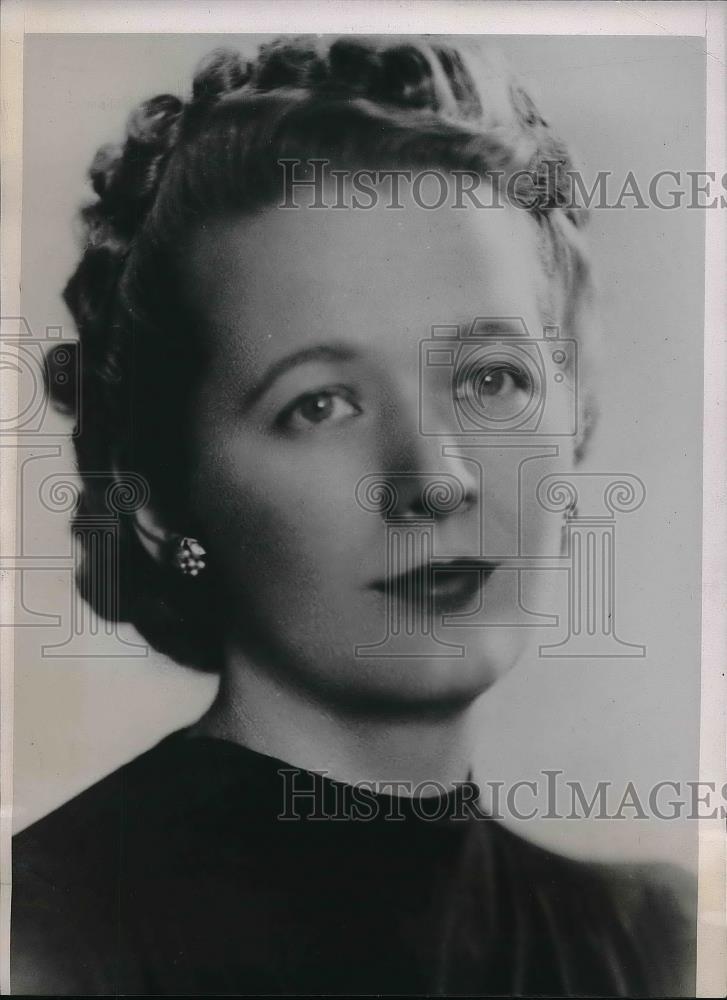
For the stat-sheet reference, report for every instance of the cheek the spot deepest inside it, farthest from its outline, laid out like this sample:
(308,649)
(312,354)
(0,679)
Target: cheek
(271,512)
(512,519)
(516,522)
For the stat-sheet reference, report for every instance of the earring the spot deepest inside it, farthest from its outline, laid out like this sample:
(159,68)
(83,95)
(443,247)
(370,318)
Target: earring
(189,556)
(570,512)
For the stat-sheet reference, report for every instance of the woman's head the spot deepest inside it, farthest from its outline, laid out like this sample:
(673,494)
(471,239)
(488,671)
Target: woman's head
(255,363)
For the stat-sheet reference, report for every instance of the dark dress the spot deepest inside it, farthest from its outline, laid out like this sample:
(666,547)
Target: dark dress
(176,875)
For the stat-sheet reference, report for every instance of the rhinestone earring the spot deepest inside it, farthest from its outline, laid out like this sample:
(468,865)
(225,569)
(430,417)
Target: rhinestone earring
(189,556)
(569,514)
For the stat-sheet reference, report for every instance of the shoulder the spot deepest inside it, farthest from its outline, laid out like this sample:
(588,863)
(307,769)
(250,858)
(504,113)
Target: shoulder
(61,867)
(637,919)
(655,906)
(84,830)
(149,795)
(68,870)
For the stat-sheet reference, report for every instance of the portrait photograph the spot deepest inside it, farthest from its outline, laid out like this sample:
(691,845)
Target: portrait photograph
(362,542)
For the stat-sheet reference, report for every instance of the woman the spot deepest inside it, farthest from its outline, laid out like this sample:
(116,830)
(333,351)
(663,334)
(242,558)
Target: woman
(253,321)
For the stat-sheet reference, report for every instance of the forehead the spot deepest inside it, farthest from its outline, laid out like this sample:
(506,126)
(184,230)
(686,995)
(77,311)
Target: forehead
(263,285)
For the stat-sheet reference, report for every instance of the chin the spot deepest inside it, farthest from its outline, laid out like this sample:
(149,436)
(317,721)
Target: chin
(434,684)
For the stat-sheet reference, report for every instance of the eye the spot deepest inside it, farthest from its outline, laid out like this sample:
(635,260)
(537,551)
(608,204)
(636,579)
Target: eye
(492,381)
(314,408)
(497,381)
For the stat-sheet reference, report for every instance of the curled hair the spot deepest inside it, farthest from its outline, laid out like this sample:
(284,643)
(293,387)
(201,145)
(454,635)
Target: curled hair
(351,100)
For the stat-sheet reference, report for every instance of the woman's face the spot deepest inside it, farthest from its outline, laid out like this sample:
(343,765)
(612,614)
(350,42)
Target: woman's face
(320,376)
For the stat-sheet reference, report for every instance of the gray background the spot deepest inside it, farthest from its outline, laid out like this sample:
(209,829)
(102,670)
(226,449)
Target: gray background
(623,104)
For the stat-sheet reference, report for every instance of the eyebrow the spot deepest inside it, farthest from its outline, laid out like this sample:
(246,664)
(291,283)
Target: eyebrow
(321,352)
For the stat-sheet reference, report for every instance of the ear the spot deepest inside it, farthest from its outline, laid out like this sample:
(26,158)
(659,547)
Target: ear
(155,538)
(154,535)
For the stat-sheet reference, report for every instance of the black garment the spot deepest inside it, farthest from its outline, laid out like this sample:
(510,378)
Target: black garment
(174,875)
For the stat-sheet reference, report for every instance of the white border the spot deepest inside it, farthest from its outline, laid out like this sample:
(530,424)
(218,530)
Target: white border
(712,898)
(385,16)
(703,20)
(11,200)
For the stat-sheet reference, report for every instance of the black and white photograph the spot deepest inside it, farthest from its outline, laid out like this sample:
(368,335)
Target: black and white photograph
(363,520)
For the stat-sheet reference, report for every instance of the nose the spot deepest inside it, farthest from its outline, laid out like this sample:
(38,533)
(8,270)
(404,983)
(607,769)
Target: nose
(425,475)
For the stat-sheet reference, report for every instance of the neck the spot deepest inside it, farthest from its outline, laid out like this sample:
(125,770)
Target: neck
(255,709)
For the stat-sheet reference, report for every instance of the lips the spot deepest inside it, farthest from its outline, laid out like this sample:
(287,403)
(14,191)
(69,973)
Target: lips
(444,586)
